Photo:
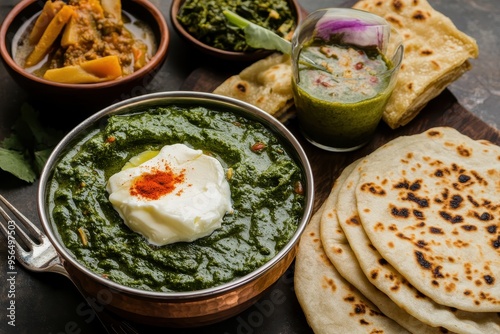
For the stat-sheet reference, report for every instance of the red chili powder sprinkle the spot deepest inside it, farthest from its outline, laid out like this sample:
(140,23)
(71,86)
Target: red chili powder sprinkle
(156,184)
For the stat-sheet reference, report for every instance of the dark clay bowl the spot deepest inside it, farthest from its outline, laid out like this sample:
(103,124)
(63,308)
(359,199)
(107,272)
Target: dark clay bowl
(84,97)
(219,53)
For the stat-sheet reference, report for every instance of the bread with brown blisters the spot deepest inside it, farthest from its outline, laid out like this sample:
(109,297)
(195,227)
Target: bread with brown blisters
(436,54)
(329,302)
(266,84)
(412,228)
(430,205)
(339,252)
(359,262)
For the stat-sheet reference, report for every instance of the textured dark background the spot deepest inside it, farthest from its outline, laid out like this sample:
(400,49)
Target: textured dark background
(48,303)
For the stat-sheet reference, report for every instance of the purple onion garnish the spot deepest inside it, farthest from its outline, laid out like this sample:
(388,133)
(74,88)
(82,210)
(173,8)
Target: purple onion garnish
(354,27)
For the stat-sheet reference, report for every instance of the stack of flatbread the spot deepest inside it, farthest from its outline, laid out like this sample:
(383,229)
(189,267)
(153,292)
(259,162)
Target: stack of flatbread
(436,54)
(407,241)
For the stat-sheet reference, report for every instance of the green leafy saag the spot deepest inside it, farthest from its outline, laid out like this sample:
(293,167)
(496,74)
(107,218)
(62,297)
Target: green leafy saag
(205,20)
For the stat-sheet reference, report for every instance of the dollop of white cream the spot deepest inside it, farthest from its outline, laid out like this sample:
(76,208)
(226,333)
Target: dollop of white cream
(192,209)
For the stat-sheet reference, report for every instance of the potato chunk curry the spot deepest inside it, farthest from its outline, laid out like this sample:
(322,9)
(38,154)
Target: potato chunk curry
(84,41)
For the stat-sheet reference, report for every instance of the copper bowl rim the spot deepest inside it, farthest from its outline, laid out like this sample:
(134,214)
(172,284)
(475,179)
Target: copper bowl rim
(220,53)
(157,59)
(171,98)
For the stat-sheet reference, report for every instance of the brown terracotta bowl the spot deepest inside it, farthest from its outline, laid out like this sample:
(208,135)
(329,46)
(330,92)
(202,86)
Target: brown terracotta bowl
(177,309)
(219,53)
(95,95)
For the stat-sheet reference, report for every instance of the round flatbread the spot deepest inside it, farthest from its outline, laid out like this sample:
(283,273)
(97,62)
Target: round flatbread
(430,205)
(331,304)
(338,250)
(363,263)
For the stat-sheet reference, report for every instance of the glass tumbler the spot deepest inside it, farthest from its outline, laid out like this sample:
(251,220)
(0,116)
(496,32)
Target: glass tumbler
(345,64)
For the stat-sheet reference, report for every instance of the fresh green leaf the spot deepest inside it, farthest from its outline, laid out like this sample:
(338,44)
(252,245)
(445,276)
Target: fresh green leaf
(25,151)
(41,158)
(22,131)
(13,142)
(257,36)
(15,163)
(44,137)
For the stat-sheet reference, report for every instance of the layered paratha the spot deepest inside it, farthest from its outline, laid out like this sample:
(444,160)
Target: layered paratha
(436,54)
(361,259)
(430,205)
(330,303)
(266,84)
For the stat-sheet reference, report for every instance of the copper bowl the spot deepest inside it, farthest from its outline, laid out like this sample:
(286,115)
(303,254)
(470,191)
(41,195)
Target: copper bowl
(177,309)
(81,96)
(224,54)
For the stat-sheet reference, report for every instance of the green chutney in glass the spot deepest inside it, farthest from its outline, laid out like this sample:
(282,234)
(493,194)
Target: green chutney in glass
(340,104)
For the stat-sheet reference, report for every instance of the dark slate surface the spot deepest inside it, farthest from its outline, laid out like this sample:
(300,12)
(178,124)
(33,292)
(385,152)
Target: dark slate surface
(48,303)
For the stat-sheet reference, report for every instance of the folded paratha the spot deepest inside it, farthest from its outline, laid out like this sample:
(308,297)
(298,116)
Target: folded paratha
(331,304)
(266,84)
(436,54)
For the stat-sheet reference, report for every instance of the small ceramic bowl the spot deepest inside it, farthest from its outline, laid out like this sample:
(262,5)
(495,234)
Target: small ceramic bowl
(219,53)
(91,97)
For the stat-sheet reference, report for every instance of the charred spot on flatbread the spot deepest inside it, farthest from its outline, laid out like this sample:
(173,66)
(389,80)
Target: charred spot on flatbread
(405,255)
(328,301)
(443,221)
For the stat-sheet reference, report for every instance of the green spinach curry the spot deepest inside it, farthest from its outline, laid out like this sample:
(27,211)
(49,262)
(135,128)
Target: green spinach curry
(204,20)
(265,184)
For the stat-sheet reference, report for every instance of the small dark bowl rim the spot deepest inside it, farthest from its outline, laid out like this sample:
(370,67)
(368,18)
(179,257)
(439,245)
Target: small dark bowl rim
(158,57)
(190,97)
(219,53)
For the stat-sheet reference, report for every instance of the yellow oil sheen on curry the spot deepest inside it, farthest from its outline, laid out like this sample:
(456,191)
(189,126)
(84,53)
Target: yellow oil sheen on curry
(83,41)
